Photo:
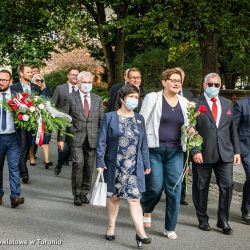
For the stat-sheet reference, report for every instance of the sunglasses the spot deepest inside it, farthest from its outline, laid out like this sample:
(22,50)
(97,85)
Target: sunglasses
(211,84)
(38,80)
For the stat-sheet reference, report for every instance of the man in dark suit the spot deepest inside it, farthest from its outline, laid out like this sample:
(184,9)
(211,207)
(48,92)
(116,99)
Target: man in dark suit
(220,151)
(10,143)
(113,92)
(25,85)
(133,76)
(86,110)
(59,96)
(242,121)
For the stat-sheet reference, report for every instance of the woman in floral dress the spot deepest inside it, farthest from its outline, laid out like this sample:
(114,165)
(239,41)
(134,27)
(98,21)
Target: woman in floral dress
(122,153)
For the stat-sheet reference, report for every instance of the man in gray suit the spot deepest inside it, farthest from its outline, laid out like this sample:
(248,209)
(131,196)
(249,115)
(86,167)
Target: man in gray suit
(220,151)
(86,110)
(61,92)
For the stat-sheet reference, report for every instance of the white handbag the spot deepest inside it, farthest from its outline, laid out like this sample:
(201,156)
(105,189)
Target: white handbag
(99,193)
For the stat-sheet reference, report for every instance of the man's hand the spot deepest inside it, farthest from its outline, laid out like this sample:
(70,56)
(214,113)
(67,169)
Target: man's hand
(237,159)
(60,145)
(147,171)
(197,158)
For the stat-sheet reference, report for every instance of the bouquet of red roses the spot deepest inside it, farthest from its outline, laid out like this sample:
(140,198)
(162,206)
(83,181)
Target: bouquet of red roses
(36,113)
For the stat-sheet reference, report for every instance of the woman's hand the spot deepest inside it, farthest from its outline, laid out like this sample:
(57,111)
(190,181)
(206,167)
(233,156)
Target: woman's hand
(147,171)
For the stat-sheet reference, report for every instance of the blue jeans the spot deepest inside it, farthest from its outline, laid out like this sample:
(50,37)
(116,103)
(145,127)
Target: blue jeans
(245,207)
(166,169)
(9,147)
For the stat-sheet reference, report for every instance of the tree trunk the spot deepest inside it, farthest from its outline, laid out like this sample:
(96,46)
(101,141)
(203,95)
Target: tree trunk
(113,50)
(209,52)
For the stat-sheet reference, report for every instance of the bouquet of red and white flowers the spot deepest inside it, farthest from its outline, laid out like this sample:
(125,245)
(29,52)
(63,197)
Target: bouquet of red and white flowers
(35,113)
(190,138)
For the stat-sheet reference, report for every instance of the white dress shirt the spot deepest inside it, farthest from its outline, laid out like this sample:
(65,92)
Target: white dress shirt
(71,89)
(26,88)
(88,98)
(210,104)
(9,118)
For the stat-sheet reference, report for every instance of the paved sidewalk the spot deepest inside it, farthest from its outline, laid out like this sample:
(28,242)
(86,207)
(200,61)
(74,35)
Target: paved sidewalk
(49,220)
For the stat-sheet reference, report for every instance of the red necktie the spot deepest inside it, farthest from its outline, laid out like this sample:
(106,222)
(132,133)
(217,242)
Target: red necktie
(214,108)
(86,105)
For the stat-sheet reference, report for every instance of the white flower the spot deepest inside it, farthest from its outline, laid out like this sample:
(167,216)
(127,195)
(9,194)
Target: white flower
(138,121)
(36,98)
(192,104)
(41,106)
(32,109)
(25,118)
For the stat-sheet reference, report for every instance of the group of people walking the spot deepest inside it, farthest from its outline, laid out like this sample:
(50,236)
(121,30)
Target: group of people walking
(138,147)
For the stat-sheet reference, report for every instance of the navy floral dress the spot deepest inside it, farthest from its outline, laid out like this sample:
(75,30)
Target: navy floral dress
(126,180)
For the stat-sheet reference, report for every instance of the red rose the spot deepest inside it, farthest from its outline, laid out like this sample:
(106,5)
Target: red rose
(22,100)
(202,109)
(14,107)
(10,102)
(29,104)
(25,94)
(20,117)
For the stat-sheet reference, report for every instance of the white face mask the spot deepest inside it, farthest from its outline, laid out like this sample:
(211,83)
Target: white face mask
(85,87)
(212,91)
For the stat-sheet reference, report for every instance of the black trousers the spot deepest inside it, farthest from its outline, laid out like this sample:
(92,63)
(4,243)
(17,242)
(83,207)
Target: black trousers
(26,140)
(201,180)
(82,168)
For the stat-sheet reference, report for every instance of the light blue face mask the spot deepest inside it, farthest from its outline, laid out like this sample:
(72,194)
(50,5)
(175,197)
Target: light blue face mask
(131,103)
(212,91)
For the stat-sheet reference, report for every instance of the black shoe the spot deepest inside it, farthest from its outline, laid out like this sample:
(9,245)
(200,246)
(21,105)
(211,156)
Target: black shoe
(57,169)
(16,202)
(32,164)
(226,229)
(141,241)
(246,217)
(204,225)
(48,164)
(25,179)
(84,199)
(109,237)
(77,200)
(184,202)
(1,200)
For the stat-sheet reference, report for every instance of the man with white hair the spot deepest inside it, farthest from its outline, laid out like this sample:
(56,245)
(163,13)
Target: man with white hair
(86,110)
(219,152)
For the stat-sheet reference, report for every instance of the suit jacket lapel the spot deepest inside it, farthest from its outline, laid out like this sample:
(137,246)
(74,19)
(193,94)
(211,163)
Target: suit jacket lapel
(209,112)
(66,89)
(79,102)
(223,111)
(92,105)
(20,86)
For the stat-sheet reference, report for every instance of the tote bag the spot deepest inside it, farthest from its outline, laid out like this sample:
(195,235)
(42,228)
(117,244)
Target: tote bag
(99,193)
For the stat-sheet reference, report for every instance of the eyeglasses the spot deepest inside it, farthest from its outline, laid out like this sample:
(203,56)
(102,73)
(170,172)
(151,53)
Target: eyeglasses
(38,80)
(135,77)
(86,82)
(211,84)
(175,81)
(4,80)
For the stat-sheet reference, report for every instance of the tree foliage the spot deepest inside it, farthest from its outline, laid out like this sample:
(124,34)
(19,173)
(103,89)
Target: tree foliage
(216,32)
